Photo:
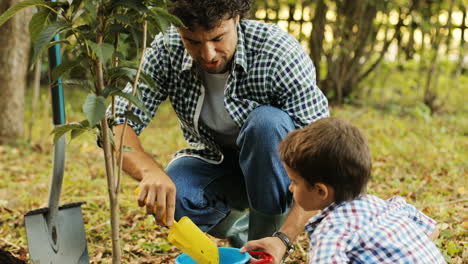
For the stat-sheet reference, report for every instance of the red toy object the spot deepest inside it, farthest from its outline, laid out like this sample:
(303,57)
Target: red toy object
(266,258)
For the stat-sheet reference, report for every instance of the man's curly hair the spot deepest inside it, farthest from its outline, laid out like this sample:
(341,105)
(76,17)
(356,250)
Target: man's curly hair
(208,13)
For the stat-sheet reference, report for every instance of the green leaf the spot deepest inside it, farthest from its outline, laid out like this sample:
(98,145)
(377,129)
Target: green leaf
(75,5)
(124,19)
(164,14)
(122,72)
(52,43)
(91,8)
(65,67)
(453,248)
(94,109)
(135,37)
(37,23)
(132,4)
(103,51)
(134,100)
(78,84)
(108,91)
(76,133)
(118,28)
(78,14)
(132,117)
(21,5)
(83,127)
(46,36)
(59,131)
(161,24)
(148,80)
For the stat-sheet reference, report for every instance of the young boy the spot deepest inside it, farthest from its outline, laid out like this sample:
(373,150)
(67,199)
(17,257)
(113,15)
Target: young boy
(329,164)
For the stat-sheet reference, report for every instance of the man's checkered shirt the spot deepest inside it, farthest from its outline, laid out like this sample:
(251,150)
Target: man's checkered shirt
(269,68)
(372,230)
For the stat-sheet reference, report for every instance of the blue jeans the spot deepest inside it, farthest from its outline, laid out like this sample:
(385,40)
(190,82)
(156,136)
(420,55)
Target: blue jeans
(250,176)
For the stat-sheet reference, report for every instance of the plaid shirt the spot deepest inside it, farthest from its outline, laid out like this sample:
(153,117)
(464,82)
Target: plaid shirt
(372,230)
(269,68)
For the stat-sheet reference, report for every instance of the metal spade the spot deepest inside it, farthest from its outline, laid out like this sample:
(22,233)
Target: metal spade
(56,234)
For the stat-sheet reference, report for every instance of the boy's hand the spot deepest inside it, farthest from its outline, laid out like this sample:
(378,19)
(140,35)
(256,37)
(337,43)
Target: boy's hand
(271,245)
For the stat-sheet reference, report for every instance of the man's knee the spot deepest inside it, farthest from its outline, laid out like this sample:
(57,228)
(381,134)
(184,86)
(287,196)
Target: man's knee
(267,119)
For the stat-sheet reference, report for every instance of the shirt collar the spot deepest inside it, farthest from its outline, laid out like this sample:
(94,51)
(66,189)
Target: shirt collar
(316,219)
(239,56)
(187,61)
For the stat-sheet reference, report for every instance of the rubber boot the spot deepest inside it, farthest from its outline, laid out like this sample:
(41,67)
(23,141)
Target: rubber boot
(262,225)
(234,227)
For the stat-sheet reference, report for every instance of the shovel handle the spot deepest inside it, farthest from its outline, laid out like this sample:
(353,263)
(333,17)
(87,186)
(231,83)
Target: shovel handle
(266,258)
(58,112)
(58,108)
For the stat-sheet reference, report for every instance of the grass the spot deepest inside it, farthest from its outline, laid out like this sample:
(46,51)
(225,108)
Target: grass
(415,155)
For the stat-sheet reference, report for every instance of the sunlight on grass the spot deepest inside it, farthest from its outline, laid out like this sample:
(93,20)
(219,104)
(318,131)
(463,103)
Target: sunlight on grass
(422,158)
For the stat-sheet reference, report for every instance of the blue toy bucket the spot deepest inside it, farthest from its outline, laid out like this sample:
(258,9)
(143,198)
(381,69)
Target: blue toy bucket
(227,255)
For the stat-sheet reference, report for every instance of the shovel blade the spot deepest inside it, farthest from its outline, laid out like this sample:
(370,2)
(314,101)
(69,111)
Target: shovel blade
(70,246)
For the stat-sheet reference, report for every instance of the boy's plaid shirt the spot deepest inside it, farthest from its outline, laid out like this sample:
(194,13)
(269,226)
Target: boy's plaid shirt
(372,230)
(269,68)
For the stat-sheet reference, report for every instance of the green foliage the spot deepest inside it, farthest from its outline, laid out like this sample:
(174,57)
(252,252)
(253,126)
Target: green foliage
(76,128)
(400,86)
(453,248)
(81,24)
(94,109)
(65,67)
(38,22)
(21,5)
(132,117)
(103,51)
(46,35)
(133,99)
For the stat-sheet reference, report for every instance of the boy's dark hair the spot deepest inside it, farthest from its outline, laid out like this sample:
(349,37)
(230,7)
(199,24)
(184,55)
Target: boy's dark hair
(208,13)
(330,151)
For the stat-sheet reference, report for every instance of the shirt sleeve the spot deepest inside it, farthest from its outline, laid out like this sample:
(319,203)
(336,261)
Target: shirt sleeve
(427,224)
(330,245)
(297,91)
(156,64)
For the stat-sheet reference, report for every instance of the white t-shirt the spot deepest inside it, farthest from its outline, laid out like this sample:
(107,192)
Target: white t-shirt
(214,113)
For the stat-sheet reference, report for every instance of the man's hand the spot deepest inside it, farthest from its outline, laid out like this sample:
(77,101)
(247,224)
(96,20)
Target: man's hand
(271,245)
(156,187)
(158,193)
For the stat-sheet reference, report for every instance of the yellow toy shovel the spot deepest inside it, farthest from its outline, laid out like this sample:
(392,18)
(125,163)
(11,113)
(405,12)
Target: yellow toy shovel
(186,236)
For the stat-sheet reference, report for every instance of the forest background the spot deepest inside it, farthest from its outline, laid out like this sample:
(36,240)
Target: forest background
(397,69)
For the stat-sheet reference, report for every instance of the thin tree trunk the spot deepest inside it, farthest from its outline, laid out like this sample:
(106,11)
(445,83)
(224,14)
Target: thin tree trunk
(462,47)
(449,27)
(410,49)
(430,96)
(317,36)
(14,53)
(110,172)
(292,10)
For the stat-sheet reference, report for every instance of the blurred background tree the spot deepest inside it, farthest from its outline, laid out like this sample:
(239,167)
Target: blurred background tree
(349,40)
(372,51)
(14,55)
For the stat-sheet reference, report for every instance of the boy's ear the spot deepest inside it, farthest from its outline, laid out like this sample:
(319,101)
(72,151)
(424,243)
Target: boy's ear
(323,191)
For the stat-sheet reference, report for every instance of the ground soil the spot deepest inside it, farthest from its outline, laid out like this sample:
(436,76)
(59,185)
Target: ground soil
(7,258)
